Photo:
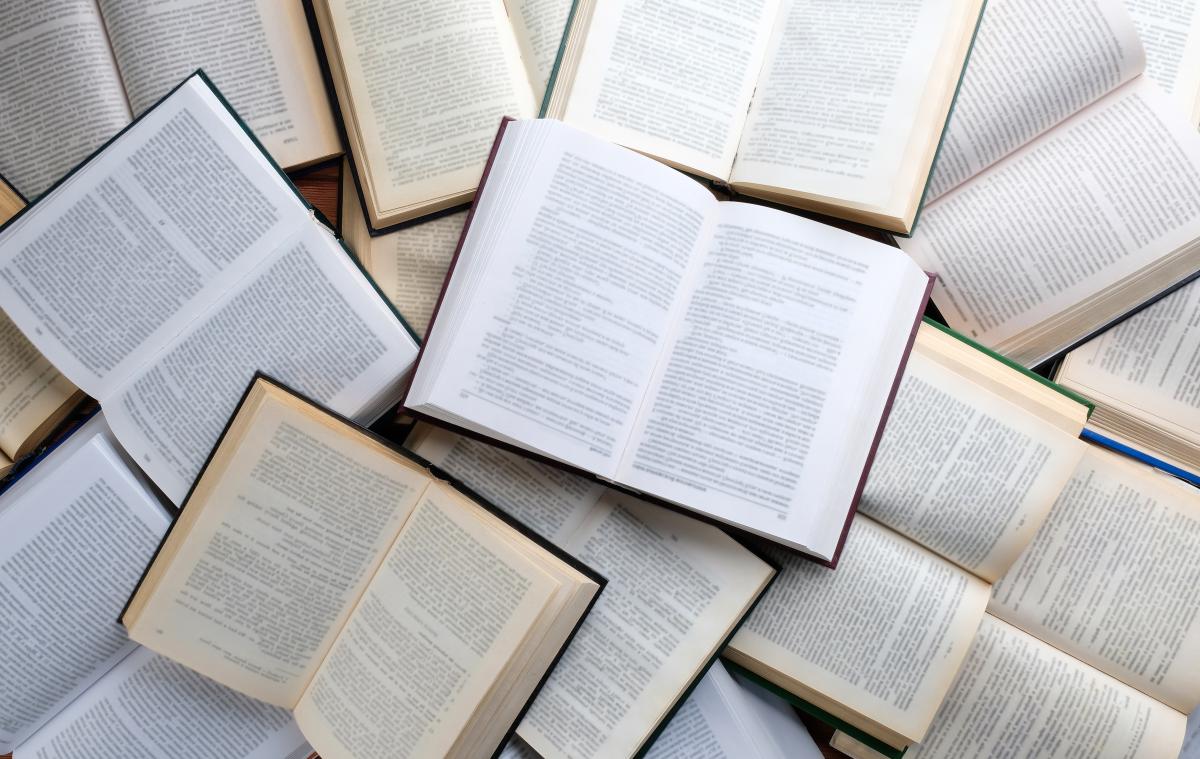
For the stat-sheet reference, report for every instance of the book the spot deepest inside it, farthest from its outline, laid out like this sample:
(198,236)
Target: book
(418,134)
(1141,376)
(703,353)
(1170,33)
(1044,220)
(34,398)
(723,718)
(1093,637)
(167,269)
(677,589)
(316,568)
(1191,741)
(833,109)
(974,457)
(80,71)
(409,264)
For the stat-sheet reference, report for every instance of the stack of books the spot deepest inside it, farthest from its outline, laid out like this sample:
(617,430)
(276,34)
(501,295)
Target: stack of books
(677,378)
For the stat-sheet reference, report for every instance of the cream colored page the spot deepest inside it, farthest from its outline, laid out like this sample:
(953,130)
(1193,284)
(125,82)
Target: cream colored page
(539,25)
(672,79)
(883,634)
(437,624)
(30,388)
(1017,696)
(1170,32)
(839,94)
(1034,64)
(410,265)
(676,588)
(259,54)
(427,125)
(963,472)
(1069,216)
(61,96)
(292,532)
(1111,578)
(551,502)
(1147,365)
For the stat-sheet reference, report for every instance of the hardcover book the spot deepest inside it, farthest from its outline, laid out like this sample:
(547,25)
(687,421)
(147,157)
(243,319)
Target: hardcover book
(608,313)
(836,108)
(316,568)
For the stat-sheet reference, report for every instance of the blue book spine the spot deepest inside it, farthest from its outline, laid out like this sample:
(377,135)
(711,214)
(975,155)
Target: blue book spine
(1145,458)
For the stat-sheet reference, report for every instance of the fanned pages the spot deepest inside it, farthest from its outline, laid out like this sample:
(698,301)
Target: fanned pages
(835,108)
(1142,376)
(178,262)
(369,654)
(677,589)
(629,315)
(973,458)
(113,59)
(1047,224)
(419,133)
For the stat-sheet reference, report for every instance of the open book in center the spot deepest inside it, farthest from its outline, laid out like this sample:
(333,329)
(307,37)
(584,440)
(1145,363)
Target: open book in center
(609,314)
(316,568)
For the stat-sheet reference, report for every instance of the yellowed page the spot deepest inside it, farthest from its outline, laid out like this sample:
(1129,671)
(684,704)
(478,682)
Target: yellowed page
(882,635)
(1111,578)
(31,391)
(294,526)
(433,631)
(1018,697)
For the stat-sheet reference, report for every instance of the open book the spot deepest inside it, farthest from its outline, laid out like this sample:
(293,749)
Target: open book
(318,569)
(677,589)
(174,264)
(77,71)
(418,133)
(78,529)
(1101,612)
(608,313)
(1045,221)
(1170,33)
(34,398)
(836,108)
(973,458)
(1142,377)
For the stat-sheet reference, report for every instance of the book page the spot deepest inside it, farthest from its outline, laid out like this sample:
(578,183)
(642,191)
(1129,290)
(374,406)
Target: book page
(881,636)
(1066,218)
(676,590)
(1017,696)
(539,26)
(1170,32)
(558,353)
(423,130)
(965,473)
(781,340)
(61,96)
(306,316)
(671,79)
(31,390)
(839,99)
(1110,578)
(295,521)
(551,502)
(115,262)
(1020,84)
(78,533)
(152,708)
(1145,366)
(259,54)
(429,637)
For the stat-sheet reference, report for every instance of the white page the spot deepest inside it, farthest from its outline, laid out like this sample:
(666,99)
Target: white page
(582,249)
(152,708)
(1170,32)
(61,96)
(108,268)
(306,316)
(78,531)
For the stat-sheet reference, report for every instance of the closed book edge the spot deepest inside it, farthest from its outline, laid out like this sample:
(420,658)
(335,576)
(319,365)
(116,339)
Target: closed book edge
(1129,451)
